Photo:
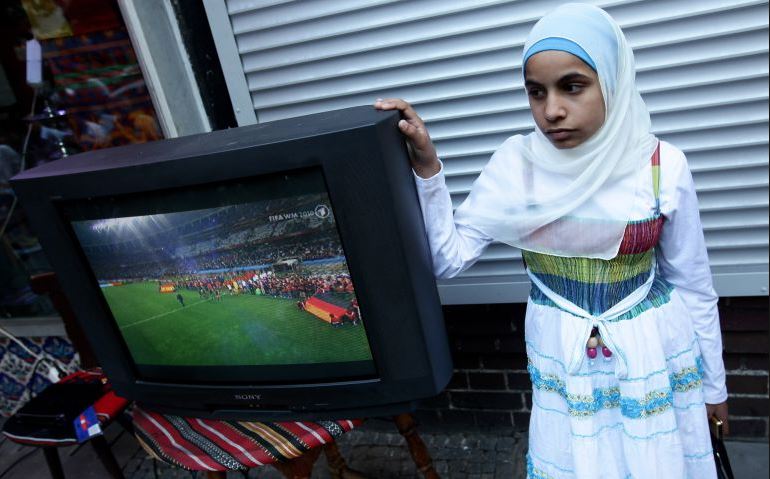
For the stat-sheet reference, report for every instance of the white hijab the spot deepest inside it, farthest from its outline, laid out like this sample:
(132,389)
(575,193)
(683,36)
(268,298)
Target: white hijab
(577,201)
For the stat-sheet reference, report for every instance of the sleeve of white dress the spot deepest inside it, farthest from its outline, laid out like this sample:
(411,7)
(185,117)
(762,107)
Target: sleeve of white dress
(454,247)
(684,263)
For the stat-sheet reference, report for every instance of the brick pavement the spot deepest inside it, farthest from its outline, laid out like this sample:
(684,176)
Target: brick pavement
(382,454)
(376,449)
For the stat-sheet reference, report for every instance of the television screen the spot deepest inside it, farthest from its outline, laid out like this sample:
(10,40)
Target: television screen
(241,274)
(274,271)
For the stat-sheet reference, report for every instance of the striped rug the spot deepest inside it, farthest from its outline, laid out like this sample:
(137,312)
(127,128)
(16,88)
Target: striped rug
(210,445)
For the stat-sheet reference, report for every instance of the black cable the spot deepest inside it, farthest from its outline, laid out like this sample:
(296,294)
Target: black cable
(17,461)
(77,448)
(117,438)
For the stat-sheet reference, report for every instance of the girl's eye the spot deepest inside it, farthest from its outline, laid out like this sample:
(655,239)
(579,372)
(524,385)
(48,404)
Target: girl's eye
(536,93)
(574,87)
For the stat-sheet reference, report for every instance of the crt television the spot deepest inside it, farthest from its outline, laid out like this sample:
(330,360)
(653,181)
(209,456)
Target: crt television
(278,270)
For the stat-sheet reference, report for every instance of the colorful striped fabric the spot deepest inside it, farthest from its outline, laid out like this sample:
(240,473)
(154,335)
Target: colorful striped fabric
(107,407)
(210,445)
(595,284)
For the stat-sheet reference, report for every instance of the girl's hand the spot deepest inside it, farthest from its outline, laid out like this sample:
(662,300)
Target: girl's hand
(720,412)
(422,153)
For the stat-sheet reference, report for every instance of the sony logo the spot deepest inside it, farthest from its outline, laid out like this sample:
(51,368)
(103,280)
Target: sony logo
(248,397)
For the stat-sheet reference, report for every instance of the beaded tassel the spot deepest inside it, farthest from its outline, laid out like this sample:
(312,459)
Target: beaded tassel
(595,342)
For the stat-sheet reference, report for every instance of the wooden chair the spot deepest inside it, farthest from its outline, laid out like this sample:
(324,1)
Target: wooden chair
(49,432)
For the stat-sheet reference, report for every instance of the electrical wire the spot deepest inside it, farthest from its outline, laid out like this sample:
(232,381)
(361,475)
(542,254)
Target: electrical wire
(18,342)
(39,358)
(23,162)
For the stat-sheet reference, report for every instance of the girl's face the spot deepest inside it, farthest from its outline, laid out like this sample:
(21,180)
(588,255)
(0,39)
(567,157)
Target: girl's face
(565,97)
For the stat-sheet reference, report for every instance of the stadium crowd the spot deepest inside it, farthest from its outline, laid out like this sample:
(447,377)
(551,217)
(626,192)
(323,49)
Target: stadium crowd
(136,264)
(230,237)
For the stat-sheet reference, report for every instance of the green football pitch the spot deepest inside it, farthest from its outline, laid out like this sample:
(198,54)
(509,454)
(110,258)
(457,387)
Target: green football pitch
(238,330)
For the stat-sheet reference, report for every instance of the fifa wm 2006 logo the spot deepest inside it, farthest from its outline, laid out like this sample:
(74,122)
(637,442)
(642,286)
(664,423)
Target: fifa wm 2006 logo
(248,397)
(322,211)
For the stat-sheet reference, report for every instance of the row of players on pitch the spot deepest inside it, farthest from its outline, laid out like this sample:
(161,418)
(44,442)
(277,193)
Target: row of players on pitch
(292,286)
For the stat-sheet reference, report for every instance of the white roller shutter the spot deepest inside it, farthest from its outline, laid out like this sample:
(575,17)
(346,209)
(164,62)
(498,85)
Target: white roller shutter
(702,69)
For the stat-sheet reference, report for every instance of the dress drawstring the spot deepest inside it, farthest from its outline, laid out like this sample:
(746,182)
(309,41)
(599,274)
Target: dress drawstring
(603,322)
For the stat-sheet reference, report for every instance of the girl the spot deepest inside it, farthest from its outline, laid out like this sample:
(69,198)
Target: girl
(622,329)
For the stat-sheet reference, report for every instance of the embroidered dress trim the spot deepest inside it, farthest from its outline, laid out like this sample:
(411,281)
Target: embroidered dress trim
(535,473)
(689,378)
(653,403)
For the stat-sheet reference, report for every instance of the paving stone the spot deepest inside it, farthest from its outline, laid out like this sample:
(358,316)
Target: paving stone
(505,444)
(505,471)
(441,466)
(377,454)
(474,467)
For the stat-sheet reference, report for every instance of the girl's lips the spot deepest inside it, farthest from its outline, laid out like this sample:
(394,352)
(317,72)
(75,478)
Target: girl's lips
(559,135)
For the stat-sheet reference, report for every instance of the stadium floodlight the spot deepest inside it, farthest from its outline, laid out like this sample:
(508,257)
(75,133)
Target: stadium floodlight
(114,223)
(131,224)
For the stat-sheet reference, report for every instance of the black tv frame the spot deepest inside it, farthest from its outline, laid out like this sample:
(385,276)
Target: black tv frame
(365,165)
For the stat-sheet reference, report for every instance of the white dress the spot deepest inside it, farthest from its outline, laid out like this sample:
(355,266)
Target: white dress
(641,412)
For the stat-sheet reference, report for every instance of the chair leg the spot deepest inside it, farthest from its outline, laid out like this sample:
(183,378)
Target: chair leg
(420,455)
(104,453)
(54,463)
(300,467)
(336,463)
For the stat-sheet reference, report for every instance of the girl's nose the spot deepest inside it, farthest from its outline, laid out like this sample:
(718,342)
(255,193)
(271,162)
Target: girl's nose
(554,109)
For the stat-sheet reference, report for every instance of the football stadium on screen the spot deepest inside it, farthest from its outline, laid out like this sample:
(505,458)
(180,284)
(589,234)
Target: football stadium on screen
(256,283)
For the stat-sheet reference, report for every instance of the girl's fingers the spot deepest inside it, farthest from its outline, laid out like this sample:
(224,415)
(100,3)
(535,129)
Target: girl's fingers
(398,104)
(408,129)
(411,126)
(414,133)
